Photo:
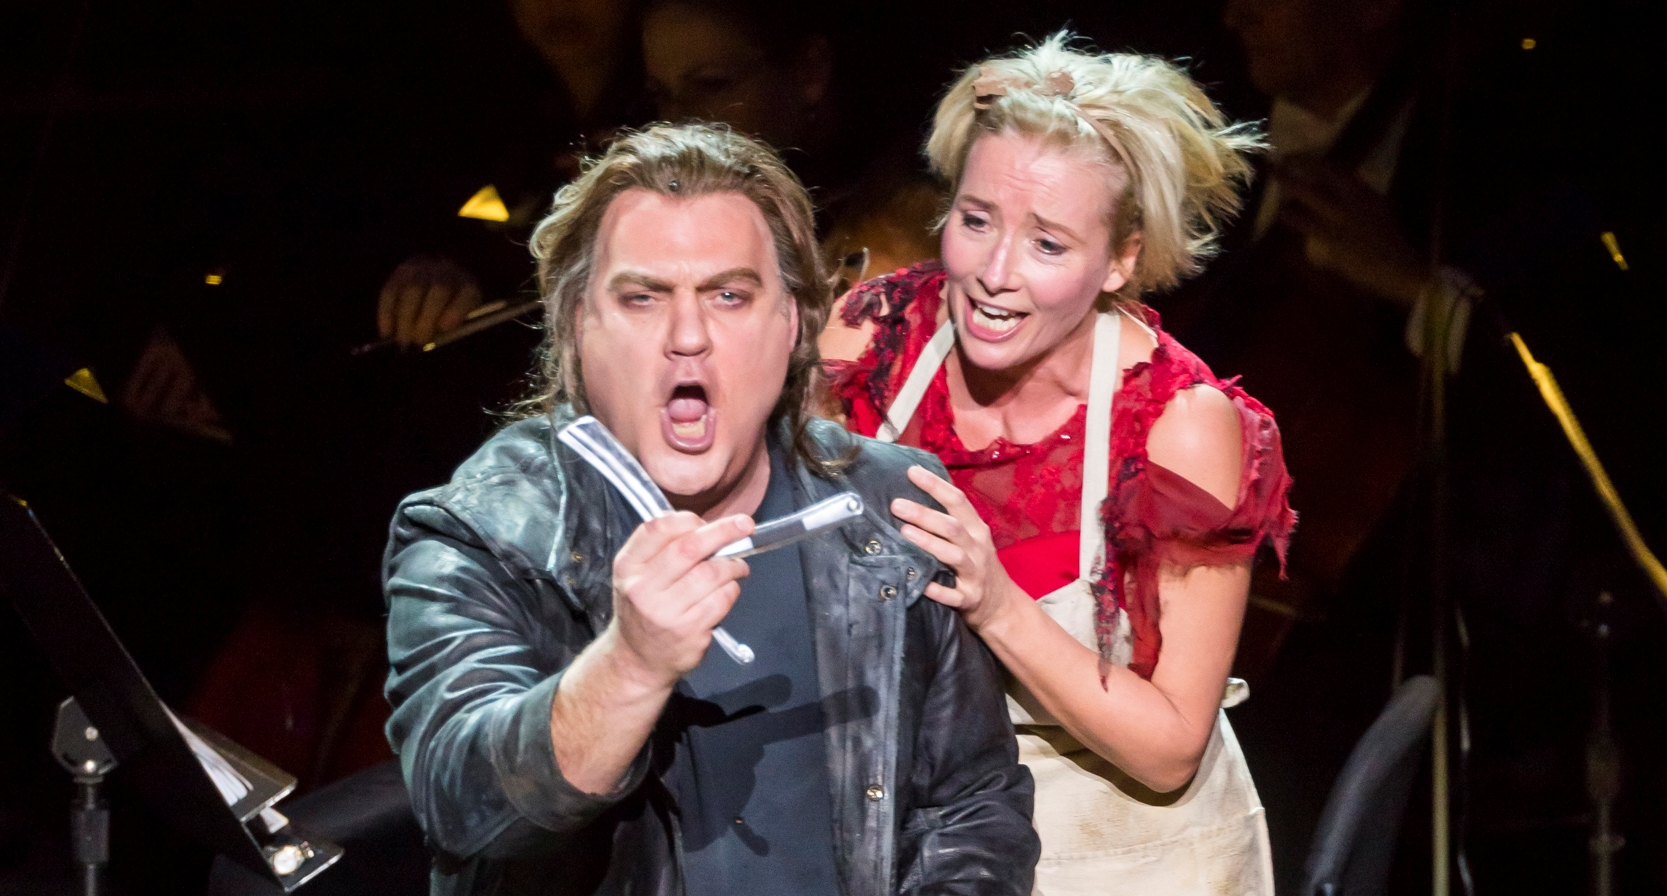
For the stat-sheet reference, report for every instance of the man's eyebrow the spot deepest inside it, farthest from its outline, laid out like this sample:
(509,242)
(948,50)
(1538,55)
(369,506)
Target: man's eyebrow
(625,279)
(748,275)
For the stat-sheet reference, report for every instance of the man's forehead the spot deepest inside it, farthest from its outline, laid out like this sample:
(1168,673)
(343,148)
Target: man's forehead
(695,238)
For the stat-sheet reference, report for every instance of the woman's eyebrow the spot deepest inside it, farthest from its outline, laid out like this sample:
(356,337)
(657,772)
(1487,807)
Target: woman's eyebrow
(1056,227)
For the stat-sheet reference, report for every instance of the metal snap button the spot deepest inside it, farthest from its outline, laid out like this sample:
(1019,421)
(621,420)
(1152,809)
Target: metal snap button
(876,792)
(887,592)
(576,557)
(910,575)
(872,547)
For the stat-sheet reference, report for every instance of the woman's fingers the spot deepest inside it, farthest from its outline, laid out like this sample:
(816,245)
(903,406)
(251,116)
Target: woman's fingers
(949,597)
(953,500)
(948,552)
(944,491)
(941,524)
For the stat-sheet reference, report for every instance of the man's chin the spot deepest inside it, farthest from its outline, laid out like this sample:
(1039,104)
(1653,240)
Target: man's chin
(686,478)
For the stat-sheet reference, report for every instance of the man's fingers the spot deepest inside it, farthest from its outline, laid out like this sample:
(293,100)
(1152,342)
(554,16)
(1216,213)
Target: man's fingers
(709,611)
(435,299)
(463,300)
(407,306)
(653,535)
(705,541)
(669,547)
(385,305)
(710,575)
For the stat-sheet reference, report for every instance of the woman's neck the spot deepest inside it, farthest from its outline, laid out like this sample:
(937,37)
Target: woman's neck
(1022,404)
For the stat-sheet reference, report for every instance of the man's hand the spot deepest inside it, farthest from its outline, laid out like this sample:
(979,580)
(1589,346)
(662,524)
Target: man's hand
(1351,230)
(668,596)
(424,297)
(667,599)
(163,388)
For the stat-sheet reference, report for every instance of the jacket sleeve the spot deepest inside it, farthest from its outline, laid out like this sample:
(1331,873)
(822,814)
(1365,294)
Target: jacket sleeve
(477,656)
(971,831)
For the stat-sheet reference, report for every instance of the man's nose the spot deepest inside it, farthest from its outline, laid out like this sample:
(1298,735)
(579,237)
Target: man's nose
(997,276)
(688,334)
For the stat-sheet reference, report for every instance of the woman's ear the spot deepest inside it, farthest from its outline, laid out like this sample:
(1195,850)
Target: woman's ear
(1122,267)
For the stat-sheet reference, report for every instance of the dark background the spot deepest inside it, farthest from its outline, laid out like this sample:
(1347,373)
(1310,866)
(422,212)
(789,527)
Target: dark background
(300,149)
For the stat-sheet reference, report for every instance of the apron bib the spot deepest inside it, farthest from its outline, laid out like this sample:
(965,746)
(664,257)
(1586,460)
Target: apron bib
(1102,831)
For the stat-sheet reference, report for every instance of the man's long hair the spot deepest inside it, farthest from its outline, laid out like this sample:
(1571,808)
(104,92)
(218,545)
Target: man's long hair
(682,162)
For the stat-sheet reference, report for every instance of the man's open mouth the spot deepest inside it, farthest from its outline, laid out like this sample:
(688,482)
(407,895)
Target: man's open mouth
(688,418)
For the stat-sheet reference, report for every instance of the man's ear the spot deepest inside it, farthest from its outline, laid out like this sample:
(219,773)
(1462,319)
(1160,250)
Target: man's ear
(1122,267)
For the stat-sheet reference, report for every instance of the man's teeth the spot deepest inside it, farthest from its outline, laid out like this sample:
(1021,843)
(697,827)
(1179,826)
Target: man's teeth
(692,431)
(996,319)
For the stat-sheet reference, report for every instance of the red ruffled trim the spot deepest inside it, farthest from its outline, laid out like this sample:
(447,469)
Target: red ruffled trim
(1155,518)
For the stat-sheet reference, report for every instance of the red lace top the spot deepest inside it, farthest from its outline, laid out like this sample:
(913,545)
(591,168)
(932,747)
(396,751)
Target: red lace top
(1030,494)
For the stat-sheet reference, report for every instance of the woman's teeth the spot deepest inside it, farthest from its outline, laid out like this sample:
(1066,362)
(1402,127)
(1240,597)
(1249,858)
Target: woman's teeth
(995,318)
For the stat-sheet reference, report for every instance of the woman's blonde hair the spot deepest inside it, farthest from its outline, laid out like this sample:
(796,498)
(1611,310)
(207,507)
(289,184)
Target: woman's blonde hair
(1174,161)
(683,161)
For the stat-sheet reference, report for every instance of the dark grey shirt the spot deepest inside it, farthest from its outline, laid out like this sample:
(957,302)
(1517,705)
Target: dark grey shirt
(750,774)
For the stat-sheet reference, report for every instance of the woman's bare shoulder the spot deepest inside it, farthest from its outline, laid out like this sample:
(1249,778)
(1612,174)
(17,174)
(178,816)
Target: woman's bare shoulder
(1200,438)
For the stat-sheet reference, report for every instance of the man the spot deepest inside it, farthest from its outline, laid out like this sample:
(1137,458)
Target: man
(561,721)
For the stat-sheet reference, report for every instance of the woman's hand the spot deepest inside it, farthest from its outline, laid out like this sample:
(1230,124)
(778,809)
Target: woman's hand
(983,591)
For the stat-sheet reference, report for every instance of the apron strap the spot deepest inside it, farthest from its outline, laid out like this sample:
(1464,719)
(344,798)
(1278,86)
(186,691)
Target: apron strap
(914,388)
(1104,373)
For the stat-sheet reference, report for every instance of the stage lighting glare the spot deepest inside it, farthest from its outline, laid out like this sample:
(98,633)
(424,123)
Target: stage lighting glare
(485,205)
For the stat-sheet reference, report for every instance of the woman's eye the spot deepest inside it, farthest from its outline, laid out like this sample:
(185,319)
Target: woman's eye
(973,221)
(1049,247)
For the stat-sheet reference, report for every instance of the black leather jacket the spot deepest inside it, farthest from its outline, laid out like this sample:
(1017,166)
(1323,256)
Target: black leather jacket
(497,580)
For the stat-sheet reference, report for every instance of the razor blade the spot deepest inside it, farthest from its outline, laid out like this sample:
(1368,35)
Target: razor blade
(828,513)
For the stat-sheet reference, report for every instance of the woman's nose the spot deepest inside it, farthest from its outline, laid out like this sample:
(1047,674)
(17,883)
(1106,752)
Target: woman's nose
(997,275)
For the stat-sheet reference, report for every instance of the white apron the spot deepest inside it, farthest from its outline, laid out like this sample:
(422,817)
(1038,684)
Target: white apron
(1101,831)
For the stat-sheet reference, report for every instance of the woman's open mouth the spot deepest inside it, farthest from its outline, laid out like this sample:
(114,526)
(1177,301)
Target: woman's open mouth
(687,421)
(991,323)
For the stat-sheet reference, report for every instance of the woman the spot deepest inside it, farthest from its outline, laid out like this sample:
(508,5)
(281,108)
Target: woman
(1111,590)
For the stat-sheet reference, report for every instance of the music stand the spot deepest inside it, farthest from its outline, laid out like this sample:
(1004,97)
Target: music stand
(123,714)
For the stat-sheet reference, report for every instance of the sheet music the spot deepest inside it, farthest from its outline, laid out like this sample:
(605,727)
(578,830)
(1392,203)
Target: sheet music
(229,781)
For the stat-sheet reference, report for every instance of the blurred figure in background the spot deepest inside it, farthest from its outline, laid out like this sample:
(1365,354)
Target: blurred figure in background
(1405,205)
(794,76)
(594,85)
